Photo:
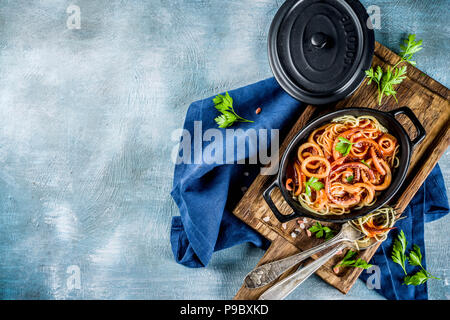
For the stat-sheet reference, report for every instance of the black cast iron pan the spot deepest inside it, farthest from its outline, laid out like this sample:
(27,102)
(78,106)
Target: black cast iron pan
(387,119)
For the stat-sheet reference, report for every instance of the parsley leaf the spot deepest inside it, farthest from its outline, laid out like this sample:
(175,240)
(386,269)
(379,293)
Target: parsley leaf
(226,119)
(321,231)
(350,178)
(374,76)
(422,276)
(344,146)
(328,233)
(386,80)
(410,47)
(315,227)
(414,259)
(313,183)
(417,279)
(224,104)
(390,78)
(415,256)
(399,249)
(360,263)
(349,261)
(349,255)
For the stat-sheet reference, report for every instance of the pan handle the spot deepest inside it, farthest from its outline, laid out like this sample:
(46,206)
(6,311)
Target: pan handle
(267,195)
(421,133)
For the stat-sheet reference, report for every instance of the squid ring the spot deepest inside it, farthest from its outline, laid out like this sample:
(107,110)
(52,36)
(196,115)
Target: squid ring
(316,175)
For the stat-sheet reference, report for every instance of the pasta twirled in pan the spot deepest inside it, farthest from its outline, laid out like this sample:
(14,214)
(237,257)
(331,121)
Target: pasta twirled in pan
(343,165)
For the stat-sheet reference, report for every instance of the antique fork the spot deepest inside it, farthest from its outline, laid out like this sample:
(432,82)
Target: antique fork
(269,272)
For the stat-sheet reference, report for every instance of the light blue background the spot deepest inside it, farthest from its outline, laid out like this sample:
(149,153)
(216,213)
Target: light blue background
(86,118)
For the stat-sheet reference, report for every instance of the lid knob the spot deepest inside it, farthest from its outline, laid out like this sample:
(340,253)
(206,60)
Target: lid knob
(319,40)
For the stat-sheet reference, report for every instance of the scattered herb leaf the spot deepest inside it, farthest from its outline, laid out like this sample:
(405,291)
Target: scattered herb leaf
(415,256)
(374,76)
(344,146)
(313,183)
(224,104)
(350,178)
(420,277)
(322,231)
(398,251)
(390,78)
(393,76)
(226,119)
(349,261)
(409,47)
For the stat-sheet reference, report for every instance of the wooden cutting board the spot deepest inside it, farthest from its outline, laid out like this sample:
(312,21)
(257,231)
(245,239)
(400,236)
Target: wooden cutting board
(430,102)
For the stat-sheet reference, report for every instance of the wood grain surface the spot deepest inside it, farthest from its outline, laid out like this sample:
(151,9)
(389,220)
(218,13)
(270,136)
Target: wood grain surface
(428,99)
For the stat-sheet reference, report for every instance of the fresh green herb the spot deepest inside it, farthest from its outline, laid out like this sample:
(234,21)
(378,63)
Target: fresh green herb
(313,183)
(360,263)
(374,76)
(349,261)
(365,163)
(390,78)
(344,146)
(386,80)
(399,249)
(420,277)
(224,104)
(414,258)
(350,178)
(321,231)
(410,47)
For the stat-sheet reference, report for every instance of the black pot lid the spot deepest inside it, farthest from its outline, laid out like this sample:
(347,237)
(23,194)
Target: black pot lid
(319,49)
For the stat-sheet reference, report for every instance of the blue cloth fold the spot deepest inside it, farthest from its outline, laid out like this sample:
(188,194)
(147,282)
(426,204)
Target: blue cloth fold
(206,193)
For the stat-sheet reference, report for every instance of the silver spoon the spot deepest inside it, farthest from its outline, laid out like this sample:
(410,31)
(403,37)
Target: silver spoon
(283,288)
(269,272)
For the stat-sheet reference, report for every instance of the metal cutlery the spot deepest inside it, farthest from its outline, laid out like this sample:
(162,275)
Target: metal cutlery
(269,272)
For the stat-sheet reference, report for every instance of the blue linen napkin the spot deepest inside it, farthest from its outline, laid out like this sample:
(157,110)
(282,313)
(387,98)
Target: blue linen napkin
(207,193)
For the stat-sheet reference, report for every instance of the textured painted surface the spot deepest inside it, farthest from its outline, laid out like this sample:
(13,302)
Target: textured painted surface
(85,123)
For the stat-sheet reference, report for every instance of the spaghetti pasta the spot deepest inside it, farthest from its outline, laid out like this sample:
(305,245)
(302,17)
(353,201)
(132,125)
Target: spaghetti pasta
(343,165)
(375,226)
